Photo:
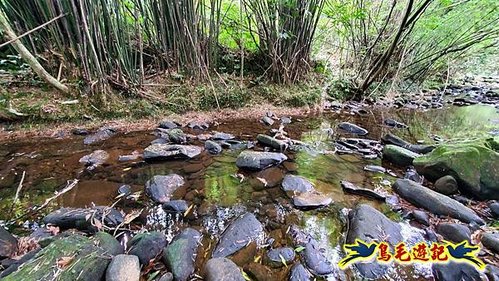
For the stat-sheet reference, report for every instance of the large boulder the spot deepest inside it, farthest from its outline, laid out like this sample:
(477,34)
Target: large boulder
(8,243)
(255,160)
(237,235)
(159,151)
(147,246)
(368,224)
(88,220)
(161,188)
(475,166)
(123,268)
(180,255)
(399,155)
(222,269)
(72,258)
(435,202)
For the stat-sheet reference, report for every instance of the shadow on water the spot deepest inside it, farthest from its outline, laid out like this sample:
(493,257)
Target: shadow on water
(215,186)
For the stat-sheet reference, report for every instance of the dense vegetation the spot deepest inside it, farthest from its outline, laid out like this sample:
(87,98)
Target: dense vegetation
(105,48)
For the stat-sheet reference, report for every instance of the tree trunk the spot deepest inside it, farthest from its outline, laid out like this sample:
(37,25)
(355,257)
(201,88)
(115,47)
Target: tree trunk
(28,57)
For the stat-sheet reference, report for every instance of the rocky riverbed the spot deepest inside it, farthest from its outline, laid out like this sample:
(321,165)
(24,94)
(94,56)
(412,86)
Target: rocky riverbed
(267,198)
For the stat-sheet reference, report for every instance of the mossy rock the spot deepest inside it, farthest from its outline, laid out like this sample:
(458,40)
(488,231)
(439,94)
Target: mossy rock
(72,258)
(474,164)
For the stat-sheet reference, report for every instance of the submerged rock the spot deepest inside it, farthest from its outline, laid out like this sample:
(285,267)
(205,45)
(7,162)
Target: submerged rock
(311,200)
(237,235)
(446,185)
(368,224)
(180,255)
(353,129)
(399,155)
(280,257)
(272,142)
(296,184)
(374,169)
(222,269)
(474,165)
(86,220)
(171,151)
(161,188)
(8,243)
(147,246)
(101,135)
(454,232)
(312,255)
(353,189)
(123,268)
(434,202)
(255,160)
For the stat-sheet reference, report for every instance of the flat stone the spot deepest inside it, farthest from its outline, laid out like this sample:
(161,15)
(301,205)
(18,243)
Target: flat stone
(161,188)
(123,268)
(416,148)
(434,202)
(353,129)
(398,155)
(198,125)
(267,121)
(222,269)
(375,169)
(353,189)
(311,200)
(254,160)
(171,151)
(296,184)
(101,135)
(222,136)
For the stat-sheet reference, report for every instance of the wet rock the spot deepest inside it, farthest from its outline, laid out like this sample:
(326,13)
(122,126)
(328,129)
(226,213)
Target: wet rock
(108,243)
(168,124)
(491,241)
(88,262)
(311,200)
(166,277)
(213,147)
(180,255)
(161,188)
(374,169)
(277,257)
(222,136)
(147,246)
(95,159)
(446,185)
(353,129)
(454,232)
(492,272)
(395,124)
(421,217)
(434,202)
(272,142)
(267,121)
(123,268)
(237,235)
(416,148)
(353,189)
(255,160)
(412,174)
(367,224)
(176,206)
(494,209)
(431,235)
(125,190)
(312,255)
(176,136)
(258,272)
(222,269)
(14,266)
(474,165)
(198,125)
(171,151)
(8,243)
(131,157)
(453,271)
(299,273)
(101,135)
(296,184)
(267,178)
(85,220)
(398,155)
(237,145)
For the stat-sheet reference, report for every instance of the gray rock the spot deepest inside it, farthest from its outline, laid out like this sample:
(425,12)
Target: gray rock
(272,142)
(276,257)
(16,264)
(176,206)
(434,202)
(84,219)
(421,217)
(312,255)
(353,189)
(267,121)
(198,125)
(299,273)
(222,136)
(416,148)
(398,155)
(491,241)
(222,269)
(161,188)
(375,169)
(108,243)
(285,120)
(180,255)
(367,224)
(147,246)
(395,124)
(213,147)
(454,232)
(353,129)
(101,135)
(176,136)
(494,209)
(167,124)
(254,160)
(166,277)
(296,184)
(412,174)
(123,268)
(311,200)
(453,271)
(171,151)
(8,243)
(94,159)
(125,190)
(492,272)
(237,235)
(446,185)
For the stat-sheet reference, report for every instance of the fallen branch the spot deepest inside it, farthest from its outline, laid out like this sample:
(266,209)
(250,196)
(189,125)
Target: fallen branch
(18,191)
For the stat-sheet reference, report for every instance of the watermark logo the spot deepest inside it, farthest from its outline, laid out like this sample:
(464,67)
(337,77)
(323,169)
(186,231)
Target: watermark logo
(361,251)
